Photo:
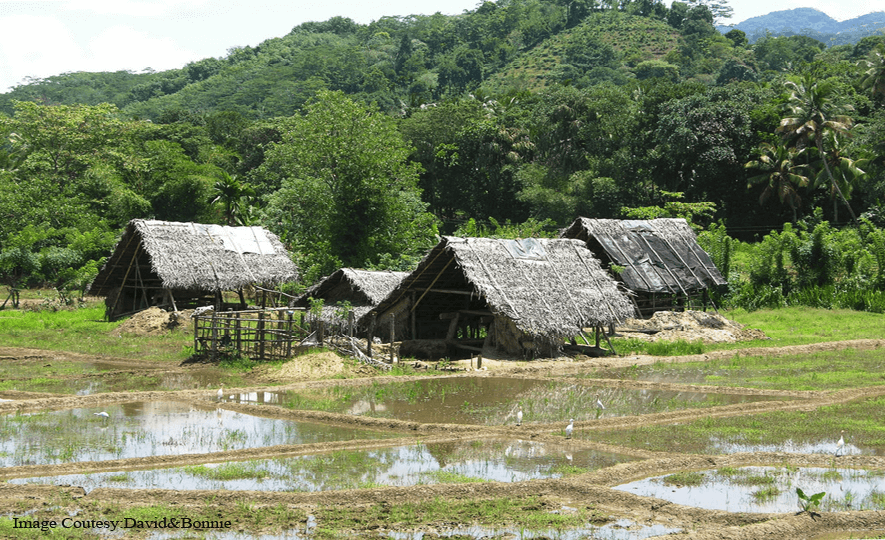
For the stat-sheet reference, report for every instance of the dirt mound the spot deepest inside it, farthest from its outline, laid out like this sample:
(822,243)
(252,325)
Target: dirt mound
(153,321)
(309,366)
(709,327)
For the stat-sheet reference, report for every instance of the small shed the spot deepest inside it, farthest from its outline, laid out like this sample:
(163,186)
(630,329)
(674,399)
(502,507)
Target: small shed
(360,290)
(658,260)
(182,265)
(480,295)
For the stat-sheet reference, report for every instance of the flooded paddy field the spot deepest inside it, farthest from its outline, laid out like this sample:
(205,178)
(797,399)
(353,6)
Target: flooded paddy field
(495,400)
(463,469)
(767,489)
(140,429)
(480,460)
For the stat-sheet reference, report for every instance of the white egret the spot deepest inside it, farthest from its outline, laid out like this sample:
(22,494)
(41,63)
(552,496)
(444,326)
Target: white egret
(519,417)
(599,406)
(102,414)
(220,393)
(569,428)
(840,444)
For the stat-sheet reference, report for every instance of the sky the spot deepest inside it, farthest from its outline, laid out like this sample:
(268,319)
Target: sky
(41,38)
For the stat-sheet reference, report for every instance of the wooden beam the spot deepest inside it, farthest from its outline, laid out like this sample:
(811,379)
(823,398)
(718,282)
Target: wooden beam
(452,291)
(432,283)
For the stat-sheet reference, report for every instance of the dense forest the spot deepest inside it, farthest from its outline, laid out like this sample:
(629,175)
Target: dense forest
(358,144)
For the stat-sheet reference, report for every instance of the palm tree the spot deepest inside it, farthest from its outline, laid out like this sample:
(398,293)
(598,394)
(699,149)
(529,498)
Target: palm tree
(232,193)
(845,171)
(814,113)
(874,76)
(782,174)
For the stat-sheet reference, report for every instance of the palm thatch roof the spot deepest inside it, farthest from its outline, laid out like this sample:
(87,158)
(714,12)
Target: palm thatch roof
(551,288)
(363,289)
(657,256)
(194,257)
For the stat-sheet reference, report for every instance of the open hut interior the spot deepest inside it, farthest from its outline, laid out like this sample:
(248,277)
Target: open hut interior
(659,261)
(184,265)
(524,298)
(349,291)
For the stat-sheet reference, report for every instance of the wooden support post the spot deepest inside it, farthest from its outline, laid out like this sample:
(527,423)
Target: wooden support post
(370,336)
(478,361)
(413,315)
(238,330)
(261,335)
(214,334)
(597,329)
(392,334)
(321,329)
(196,336)
(289,336)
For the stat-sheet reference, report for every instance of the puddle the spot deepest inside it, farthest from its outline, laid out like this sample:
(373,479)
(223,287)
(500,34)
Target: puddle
(717,446)
(495,401)
(462,461)
(767,489)
(142,429)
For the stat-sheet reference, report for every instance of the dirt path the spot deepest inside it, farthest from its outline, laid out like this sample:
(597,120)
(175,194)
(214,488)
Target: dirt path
(588,490)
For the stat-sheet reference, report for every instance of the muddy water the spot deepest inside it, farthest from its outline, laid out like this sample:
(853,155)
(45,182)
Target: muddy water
(504,460)
(495,401)
(769,489)
(141,429)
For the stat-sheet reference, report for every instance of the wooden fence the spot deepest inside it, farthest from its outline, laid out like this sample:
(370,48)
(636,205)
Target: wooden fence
(262,334)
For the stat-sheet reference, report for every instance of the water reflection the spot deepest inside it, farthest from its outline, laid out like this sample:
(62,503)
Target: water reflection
(141,429)
(479,460)
(767,489)
(495,401)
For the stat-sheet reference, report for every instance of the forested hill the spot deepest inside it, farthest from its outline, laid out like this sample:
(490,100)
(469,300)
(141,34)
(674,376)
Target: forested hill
(358,144)
(811,23)
(404,61)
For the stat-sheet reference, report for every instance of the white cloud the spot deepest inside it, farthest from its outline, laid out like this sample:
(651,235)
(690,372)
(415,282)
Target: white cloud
(123,47)
(35,47)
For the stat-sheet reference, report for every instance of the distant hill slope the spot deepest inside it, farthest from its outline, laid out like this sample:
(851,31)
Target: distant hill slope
(812,23)
(608,42)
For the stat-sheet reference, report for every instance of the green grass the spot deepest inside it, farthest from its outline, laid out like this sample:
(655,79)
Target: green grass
(690,478)
(824,370)
(83,330)
(228,471)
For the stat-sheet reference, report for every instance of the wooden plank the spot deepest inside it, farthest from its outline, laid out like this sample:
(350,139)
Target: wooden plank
(467,347)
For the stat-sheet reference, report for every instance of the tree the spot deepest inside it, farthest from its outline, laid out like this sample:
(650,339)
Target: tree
(234,197)
(845,171)
(874,77)
(814,114)
(349,193)
(781,175)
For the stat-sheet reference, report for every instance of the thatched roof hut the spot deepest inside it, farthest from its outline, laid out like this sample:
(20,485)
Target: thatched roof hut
(660,259)
(362,289)
(522,296)
(179,264)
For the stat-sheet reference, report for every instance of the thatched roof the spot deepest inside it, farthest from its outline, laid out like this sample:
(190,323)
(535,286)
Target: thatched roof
(658,256)
(547,287)
(363,289)
(193,256)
